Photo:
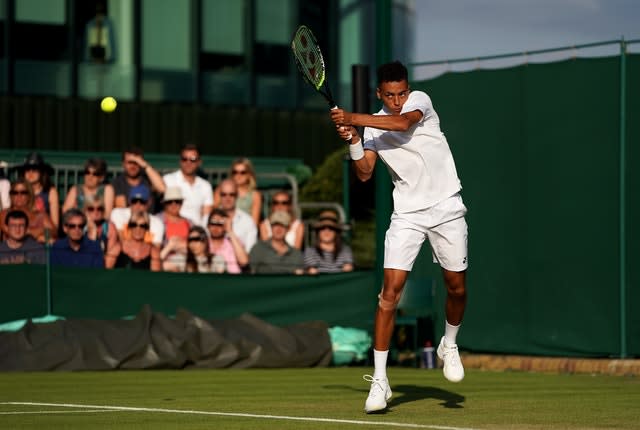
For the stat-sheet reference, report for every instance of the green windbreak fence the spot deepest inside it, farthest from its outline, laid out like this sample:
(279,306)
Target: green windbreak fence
(347,299)
(553,248)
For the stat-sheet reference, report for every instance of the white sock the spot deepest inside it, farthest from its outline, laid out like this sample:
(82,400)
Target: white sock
(450,333)
(380,364)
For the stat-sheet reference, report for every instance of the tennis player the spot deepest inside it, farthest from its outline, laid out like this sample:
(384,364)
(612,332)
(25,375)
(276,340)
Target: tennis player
(406,135)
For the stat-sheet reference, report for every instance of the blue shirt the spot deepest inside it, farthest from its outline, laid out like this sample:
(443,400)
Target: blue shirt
(89,254)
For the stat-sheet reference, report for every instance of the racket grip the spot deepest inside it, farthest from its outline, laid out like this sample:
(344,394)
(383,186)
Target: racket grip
(350,135)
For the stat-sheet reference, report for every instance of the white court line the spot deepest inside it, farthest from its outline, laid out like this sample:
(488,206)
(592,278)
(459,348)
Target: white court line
(53,412)
(236,414)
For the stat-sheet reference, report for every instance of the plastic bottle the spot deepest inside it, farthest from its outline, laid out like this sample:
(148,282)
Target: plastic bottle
(428,356)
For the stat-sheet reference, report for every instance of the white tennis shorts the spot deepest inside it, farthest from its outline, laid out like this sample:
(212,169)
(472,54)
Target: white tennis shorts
(443,225)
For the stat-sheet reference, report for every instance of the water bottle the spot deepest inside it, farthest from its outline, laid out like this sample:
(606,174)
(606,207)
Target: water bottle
(428,356)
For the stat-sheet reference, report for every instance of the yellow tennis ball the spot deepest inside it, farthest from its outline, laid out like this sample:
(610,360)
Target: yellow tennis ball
(108,104)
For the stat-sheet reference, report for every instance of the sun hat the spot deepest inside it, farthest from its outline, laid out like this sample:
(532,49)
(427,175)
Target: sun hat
(172,193)
(35,160)
(280,217)
(327,219)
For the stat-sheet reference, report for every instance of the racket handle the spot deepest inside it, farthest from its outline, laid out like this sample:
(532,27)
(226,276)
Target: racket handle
(350,135)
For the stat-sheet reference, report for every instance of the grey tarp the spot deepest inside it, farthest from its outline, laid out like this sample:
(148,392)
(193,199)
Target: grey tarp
(155,341)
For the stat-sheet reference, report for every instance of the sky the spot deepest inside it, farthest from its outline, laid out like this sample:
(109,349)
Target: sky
(451,29)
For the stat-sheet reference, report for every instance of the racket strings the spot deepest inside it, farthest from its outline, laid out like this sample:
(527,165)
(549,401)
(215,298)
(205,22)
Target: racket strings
(308,56)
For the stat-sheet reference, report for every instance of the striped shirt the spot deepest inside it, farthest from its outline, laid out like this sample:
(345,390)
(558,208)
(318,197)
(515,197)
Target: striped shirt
(324,262)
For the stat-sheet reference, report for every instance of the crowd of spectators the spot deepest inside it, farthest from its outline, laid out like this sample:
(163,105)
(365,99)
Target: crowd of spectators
(177,222)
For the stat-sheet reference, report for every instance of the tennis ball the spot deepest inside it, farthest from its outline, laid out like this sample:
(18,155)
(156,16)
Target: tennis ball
(108,104)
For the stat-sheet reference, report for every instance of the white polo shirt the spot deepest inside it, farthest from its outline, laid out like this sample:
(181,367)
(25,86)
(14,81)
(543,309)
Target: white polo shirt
(195,195)
(419,160)
(120,218)
(244,227)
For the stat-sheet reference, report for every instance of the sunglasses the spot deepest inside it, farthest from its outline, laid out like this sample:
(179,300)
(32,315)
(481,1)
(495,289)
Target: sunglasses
(134,225)
(19,192)
(170,202)
(282,202)
(218,223)
(94,208)
(238,172)
(228,194)
(141,201)
(93,173)
(197,239)
(74,226)
(190,159)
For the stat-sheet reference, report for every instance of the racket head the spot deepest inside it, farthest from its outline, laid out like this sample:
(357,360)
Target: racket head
(310,61)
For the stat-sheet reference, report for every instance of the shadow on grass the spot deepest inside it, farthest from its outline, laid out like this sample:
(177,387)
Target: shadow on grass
(411,393)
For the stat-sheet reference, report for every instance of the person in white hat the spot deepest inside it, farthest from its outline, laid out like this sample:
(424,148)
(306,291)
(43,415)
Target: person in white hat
(176,231)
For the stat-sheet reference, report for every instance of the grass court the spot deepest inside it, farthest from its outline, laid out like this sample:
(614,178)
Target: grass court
(325,398)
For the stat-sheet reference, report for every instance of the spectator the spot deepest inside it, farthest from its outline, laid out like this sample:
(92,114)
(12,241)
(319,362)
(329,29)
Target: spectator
(176,230)
(197,192)
(329,255)
(21,198)
(5,185)
(95,171)
(138,253)
(241,222)
(135,171)
(76,250)
(139,200)
(249,198)
(100,229)
(19,247)
(199,257)
(225,245)
(46,197)
(275,255)
(281,200)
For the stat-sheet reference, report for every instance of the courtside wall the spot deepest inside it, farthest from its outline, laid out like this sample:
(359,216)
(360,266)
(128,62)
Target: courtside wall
(538,150)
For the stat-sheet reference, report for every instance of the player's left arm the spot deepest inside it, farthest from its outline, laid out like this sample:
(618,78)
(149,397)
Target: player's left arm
(401,122)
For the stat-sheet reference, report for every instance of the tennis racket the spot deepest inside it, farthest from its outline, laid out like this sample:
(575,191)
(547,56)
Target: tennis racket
(310,62)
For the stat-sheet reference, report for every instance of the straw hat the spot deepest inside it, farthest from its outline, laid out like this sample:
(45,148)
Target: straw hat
(172,193)
(329,219)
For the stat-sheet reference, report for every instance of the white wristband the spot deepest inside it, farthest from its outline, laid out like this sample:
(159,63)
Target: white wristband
(356,151)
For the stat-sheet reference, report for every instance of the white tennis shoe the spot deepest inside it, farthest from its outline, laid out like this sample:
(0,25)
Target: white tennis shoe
(453,369)
(379,393)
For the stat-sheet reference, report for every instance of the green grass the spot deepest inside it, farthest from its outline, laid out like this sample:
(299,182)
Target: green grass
(484,400)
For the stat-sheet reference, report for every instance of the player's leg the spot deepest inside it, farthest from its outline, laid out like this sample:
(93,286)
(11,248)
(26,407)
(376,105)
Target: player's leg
(449,245)
(402,244)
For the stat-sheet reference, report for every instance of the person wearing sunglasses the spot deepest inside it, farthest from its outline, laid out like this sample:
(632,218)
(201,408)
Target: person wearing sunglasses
(95,171)
(102,230)
(176,229)
(281,200)
(241,222)
(199,257)
(139,201)
(249,199)
(136,251)
(76,249)
(21,198)
(225,245)
(196,191)
(329,255)
(135,171)
(19,247)
(38,173)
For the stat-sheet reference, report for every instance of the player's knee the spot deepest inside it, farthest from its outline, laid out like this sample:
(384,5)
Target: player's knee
(456,289)
(388,301)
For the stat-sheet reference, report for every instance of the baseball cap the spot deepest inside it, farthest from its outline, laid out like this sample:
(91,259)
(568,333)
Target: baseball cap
(280,217)
(139,192)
